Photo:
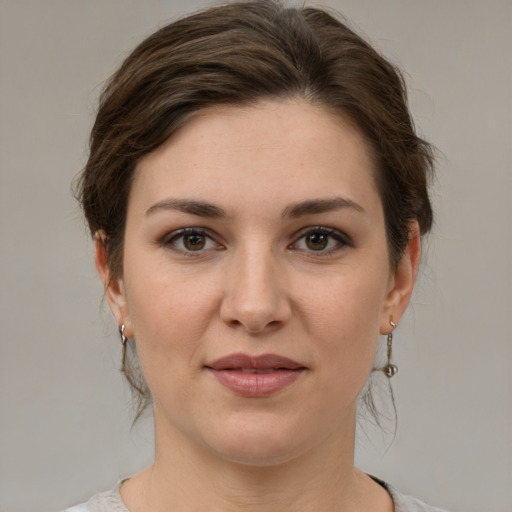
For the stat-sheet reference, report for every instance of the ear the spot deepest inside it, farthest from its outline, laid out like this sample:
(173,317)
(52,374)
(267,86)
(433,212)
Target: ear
(114,288)
(401,282)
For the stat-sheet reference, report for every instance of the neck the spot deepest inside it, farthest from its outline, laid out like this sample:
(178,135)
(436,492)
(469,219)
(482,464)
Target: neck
(189,478)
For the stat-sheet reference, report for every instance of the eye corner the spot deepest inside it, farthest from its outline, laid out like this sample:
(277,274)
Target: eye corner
(320,241)
(191,241)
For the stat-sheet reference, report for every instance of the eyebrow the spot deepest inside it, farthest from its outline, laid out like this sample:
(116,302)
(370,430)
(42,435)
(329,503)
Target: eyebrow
(200,208)
(295,210)
(314,206)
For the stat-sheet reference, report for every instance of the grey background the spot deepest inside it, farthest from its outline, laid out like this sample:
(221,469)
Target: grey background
(64,412)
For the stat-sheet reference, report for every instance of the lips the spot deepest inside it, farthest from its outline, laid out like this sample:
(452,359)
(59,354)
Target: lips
(263,362)
(255,376)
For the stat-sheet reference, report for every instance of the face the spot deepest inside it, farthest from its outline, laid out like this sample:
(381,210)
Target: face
(256,279)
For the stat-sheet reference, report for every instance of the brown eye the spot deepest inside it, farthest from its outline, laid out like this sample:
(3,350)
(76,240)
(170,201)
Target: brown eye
(194,242)
(322,240)
(317,241)
(190,240)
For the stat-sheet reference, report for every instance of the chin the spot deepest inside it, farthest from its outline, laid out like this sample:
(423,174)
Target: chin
(258,443)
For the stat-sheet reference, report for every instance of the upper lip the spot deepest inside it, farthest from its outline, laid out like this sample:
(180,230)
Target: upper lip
(262,362)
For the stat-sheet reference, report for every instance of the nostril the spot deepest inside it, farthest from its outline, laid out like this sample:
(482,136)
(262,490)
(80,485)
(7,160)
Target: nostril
(263,327)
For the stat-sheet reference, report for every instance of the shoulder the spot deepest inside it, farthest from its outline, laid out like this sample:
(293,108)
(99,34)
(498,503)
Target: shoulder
(405,503)
(109,501)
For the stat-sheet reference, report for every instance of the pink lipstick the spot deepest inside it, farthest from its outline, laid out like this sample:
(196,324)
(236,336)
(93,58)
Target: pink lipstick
(257,376)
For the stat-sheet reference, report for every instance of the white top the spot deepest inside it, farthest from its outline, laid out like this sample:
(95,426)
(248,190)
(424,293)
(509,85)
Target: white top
(111,501)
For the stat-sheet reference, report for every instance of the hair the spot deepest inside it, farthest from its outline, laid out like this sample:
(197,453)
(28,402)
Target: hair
(237,54)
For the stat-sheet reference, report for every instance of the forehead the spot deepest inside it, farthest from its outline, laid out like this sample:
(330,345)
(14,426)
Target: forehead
(269,152)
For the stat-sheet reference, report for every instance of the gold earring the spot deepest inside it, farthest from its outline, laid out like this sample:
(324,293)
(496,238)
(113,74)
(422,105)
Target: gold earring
(390,369)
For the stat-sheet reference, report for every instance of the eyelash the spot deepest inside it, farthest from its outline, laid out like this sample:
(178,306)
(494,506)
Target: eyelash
(171,239)
(341,240)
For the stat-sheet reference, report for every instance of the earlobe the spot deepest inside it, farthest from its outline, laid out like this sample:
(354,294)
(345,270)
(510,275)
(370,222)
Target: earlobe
(114,288)
(402,281)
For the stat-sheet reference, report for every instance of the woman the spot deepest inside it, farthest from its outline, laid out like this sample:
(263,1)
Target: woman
(256,193)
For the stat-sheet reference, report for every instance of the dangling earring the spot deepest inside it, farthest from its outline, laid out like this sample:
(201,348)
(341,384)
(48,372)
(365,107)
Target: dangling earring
(124,339)
(390,369)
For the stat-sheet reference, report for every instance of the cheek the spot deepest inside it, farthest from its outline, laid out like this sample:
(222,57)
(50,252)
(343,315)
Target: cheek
(161,296)
(169,315)
(344,318)
(351,300)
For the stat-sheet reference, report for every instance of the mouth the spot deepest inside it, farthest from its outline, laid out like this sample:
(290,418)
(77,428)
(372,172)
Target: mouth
(255,376)
(253,370)
(266,363)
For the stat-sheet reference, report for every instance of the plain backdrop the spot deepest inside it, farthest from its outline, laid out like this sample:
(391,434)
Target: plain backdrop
(65,414)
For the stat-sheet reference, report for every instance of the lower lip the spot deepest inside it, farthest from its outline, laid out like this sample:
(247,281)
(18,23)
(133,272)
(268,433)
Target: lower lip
(256,385)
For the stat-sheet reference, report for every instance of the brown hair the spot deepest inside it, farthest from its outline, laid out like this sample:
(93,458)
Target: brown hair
(237,54)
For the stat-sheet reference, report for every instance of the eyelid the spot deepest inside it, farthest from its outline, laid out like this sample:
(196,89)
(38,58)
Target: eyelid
(169,238)
(342,238)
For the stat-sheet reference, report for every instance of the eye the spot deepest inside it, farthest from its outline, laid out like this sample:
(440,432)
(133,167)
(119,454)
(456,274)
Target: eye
(321,240)
(190,240)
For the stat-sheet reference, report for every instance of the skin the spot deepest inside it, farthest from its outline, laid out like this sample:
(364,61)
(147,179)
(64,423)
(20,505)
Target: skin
(263,277)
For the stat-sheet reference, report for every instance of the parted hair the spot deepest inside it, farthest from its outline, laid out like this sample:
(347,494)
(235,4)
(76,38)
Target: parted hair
(239,53)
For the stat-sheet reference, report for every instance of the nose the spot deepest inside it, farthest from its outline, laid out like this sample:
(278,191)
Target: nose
(255,297)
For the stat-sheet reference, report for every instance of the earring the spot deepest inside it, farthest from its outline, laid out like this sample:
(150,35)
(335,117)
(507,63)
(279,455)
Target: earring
(124,339)
(390,369)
